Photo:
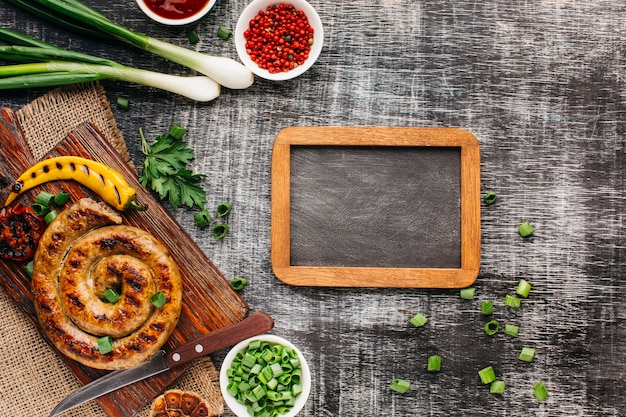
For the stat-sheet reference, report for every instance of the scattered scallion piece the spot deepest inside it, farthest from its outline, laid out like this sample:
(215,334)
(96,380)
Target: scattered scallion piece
(44,198)
(220,230)
(511,330)
(418,320)
(111,296)
(158,299)
(400,385)
(527,354)
(490,198)
(223,32)
(525,229)
(40,210)
(177,132)
(434,363)
(29,268)
(105,345)
(487,375)
(50,216)
(540,391)
(123,103)
(492,327)
(202,218)
(497,387)
(61,198)
(238,284)
(512,301)
(523,288)
(224,209)
(486,307)
(193,37)
(468,293)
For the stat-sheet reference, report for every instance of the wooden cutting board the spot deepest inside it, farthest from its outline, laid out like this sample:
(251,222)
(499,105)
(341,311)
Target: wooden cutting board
(209,302)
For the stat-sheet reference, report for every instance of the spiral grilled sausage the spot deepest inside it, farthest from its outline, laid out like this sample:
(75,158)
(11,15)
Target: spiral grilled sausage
(85,251)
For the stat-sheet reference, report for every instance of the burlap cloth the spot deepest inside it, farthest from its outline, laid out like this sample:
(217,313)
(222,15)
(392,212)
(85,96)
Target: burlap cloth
(33,379)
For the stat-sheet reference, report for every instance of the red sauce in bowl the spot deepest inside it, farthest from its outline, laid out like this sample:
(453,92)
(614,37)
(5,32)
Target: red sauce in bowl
(176,9)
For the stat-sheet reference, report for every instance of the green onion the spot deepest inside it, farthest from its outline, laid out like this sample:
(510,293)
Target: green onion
(44,198)
(497,387)
(540,391)
(202,218)
(523,288)
(105,345)
(238,284)
(434,363)
(29,268)
(61,198)
(512,301)
(418,320)
(224,209)
(468,293)
(220,230)
(50,216)
(487,375)
(489,198)
(400,385)
(511,330)
(527,354)
(225,71)
(177,132)
(193,37)
(40,209)
(158,299)
(486,308)
(123,103)
(525,229)
(492,327)
(111,296)
(223,32)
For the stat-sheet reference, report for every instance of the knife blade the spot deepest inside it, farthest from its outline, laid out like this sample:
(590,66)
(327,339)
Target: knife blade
(255,324)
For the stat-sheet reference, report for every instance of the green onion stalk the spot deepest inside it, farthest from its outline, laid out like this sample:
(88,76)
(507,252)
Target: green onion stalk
(225,71)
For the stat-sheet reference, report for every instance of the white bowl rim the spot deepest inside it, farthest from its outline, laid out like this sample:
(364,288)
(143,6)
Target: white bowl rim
(238,408)
(252,10)
(175,22)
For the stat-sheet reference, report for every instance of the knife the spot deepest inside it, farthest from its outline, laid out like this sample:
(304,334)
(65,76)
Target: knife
(255,324)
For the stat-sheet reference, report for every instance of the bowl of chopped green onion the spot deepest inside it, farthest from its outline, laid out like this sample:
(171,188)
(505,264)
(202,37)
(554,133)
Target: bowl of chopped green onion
(265,375)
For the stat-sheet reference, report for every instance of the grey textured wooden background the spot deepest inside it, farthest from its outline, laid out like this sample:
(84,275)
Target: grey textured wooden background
(540,83)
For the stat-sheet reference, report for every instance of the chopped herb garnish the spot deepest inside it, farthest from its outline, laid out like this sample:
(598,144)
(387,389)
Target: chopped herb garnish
(202,218)
(51,216)
(511,330)
(61,198)
(486,307)
(105,345)
(489,198)
(527,354)
(418,320)
(158,299)
(525,229)
(523,288)
(44,198)
(468,293)
(224,209)
(123,103)
(540,391)
(492,327)
(193,37)
(220,230)
(223,32)
(238,284)
(497,387)
(512,301)
(434,363)
(487,375)
(400,385)
(111,296)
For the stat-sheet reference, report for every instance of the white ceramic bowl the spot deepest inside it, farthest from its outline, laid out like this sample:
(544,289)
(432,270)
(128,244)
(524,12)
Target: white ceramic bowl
(176,22)
(244,23)
(240,409)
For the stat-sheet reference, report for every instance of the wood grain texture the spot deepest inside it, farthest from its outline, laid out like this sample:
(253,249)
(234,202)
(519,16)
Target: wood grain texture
(540,84)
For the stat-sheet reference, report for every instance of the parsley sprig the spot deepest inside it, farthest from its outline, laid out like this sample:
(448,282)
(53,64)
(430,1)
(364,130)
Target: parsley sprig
(165,170)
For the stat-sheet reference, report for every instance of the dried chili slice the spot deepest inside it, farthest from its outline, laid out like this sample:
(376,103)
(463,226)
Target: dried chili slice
(20,231)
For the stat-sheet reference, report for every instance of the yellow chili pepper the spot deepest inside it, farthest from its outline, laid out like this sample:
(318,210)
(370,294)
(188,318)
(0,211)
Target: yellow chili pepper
(98,177)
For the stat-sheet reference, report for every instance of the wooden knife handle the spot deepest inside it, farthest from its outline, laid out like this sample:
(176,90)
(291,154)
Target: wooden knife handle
(255,324)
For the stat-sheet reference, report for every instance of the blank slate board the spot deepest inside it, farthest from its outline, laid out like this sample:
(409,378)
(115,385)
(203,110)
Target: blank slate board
(376,207)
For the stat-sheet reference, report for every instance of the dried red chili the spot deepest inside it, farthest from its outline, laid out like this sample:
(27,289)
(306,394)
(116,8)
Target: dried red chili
(279,39)
(20,231)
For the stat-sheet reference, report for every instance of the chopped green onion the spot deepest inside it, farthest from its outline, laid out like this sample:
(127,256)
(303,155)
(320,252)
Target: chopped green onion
(487,375)
(492,327)
(223,32)
(489,198)
(220,230)
(525,229)
(238,284)
(29,268)
(177,132)
(61,198)
(511,330)
(418,320)
(512,301)
(486,307)
(223,209)
(105,345)
(111,296)
(193,37)
(158,299)
(202,218)
(434,363)
(523,288)
(50,216)
(540,391)
(497,387)
(468,293)
(40,209)
(123,103)
(44,198)
(400,385)
(527,354)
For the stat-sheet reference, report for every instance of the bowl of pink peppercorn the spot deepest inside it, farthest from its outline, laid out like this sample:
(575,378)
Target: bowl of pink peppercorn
(279,40)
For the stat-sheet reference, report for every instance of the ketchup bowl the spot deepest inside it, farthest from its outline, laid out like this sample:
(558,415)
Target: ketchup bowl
(288,48)
(175,13)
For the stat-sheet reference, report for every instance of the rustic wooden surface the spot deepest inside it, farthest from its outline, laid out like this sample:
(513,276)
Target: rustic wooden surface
(541,85)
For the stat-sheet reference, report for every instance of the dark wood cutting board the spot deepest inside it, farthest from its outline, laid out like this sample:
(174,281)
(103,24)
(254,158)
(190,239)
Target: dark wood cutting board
(209,302)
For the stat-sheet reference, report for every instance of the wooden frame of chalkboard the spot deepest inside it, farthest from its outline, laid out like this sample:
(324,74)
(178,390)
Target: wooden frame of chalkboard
(453,191)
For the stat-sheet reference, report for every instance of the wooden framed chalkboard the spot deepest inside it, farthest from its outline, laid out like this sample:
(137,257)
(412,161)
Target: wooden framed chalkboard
(376,207)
